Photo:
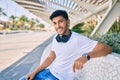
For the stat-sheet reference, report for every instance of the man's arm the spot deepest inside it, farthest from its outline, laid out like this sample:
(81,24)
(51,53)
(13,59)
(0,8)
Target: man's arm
(47,62)
(100,49)
(44,65)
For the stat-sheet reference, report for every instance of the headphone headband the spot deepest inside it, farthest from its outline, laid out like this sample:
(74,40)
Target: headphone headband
(63,38)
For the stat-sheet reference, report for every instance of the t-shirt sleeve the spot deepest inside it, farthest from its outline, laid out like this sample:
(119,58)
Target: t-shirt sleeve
(86,43)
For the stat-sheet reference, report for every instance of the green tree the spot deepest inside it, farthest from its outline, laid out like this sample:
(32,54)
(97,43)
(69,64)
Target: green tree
(22,21)
(13,19)
(115,27)
(2,12)
(23,18)
(78,28)
(41,25)
(31,23)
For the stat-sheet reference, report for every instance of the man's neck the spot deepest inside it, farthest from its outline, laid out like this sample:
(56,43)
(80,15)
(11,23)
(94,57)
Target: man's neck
(67,32)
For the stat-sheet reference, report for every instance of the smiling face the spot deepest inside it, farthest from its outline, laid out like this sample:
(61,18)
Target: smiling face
(61,25)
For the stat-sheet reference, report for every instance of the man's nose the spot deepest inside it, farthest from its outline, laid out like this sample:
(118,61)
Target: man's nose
(58,25)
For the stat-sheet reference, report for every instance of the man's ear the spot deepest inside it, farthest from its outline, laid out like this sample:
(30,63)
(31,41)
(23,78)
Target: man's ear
(68,21)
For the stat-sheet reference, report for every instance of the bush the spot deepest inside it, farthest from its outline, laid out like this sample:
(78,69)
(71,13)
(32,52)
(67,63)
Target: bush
(115,27)
(112,39)
(41,25)
(88,30)
(77,28)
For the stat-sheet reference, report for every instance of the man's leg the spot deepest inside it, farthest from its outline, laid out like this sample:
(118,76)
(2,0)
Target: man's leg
(45,75)
(42,75)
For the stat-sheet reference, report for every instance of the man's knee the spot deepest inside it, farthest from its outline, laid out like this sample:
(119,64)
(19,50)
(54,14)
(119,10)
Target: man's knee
(23,78)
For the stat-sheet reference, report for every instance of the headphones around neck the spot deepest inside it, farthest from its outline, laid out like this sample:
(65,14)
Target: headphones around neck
(63,38)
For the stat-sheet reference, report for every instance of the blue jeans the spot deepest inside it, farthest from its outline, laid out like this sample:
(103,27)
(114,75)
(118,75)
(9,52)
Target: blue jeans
(42,75)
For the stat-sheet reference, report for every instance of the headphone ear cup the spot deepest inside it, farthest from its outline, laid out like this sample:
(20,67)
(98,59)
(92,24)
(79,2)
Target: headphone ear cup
(58,38)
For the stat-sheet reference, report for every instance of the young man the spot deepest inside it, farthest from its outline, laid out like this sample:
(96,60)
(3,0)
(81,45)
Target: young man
(70,51)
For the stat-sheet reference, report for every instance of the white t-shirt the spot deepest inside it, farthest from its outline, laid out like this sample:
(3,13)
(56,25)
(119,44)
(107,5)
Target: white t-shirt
(67,53)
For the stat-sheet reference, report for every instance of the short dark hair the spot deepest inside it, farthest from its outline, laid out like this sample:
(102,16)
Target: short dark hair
(59,13)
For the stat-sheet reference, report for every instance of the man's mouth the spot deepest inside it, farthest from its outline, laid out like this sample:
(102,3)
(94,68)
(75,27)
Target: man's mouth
(60,30)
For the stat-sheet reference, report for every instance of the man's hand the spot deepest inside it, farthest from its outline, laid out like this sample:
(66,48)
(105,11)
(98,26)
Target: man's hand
(30,76)
(78,64)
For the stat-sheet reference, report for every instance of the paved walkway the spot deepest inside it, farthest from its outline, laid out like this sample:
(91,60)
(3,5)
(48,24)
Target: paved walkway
(29,61)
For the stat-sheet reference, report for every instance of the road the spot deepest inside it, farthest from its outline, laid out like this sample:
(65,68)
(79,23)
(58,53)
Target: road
(15,46)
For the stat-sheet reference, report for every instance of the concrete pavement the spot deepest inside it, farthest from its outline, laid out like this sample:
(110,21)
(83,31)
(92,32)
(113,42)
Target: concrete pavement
(15,46)
(20,53)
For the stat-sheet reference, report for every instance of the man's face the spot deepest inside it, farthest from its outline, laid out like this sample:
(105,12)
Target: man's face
(61,25)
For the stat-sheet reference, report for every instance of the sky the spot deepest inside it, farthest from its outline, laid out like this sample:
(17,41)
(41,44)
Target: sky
(12,8)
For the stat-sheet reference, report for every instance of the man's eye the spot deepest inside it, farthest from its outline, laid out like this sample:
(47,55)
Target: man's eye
(60,21)
(54,23)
